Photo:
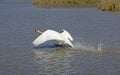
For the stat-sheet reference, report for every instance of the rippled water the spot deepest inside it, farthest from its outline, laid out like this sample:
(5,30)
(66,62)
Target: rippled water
(90,28)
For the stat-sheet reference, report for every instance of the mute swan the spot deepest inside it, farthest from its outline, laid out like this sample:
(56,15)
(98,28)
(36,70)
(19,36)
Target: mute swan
(63,38)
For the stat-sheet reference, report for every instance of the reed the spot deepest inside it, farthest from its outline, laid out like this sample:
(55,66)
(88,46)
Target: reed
(109,5)
(104,5)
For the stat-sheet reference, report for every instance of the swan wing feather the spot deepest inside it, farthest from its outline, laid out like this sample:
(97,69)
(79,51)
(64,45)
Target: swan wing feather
(67,37)
(66,34)
(47,36)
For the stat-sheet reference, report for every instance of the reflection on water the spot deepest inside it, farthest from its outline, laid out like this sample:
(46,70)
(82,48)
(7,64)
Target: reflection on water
(65,61)
(57,61)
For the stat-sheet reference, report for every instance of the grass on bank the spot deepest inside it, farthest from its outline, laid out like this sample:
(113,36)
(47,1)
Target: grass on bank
(104,5)
(109,5)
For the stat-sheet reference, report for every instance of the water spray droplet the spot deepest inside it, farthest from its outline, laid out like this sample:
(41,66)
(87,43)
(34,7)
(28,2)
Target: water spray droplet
(99,49)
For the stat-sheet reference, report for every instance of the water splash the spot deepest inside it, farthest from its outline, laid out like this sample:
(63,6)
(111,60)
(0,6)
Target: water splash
(99,49)
(83,46)
(88,47)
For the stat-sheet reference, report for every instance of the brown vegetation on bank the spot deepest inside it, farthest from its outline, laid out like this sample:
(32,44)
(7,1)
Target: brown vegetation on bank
(64,1)
(109,5)
(104,5)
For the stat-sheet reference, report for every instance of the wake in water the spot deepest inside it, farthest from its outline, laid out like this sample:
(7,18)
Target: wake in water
(88,47)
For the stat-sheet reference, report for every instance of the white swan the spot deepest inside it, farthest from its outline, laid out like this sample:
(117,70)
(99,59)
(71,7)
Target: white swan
(63,38)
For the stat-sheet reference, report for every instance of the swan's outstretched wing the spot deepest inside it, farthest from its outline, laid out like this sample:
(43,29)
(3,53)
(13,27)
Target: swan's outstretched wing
(67,37)
(46,36)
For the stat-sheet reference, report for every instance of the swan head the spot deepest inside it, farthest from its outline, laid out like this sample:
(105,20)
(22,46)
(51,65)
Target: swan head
(38,31)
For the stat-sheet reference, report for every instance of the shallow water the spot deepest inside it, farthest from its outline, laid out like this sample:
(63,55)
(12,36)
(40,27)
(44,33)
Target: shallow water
(89,28)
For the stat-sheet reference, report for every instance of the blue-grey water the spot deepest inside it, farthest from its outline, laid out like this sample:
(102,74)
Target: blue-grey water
(88,26)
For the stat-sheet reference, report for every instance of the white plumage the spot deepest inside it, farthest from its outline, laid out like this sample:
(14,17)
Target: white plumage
(63,38)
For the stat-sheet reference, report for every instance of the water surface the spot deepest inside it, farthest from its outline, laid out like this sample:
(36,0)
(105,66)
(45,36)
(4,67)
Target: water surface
(89,27)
